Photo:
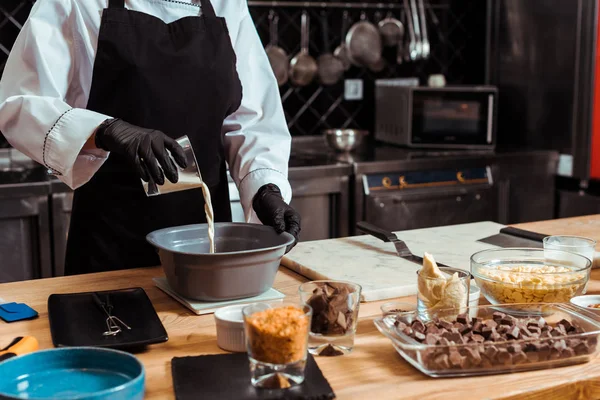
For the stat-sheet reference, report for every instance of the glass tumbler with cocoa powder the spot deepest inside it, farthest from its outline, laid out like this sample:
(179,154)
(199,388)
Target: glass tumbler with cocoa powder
(335,307)
(277,341)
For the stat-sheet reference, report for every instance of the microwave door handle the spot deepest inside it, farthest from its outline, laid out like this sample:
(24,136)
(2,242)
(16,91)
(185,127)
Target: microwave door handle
(490,118)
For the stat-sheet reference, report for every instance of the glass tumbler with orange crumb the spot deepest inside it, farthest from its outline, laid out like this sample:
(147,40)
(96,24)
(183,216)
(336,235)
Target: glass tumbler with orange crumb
(277,342)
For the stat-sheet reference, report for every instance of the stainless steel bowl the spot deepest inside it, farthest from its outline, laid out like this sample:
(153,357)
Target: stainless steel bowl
(344,140)
(247,259)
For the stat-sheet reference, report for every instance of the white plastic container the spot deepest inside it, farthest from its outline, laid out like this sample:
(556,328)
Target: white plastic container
(230,328)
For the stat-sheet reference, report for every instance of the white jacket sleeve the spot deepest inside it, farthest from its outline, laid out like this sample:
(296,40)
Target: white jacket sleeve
(40,78)
(256,137)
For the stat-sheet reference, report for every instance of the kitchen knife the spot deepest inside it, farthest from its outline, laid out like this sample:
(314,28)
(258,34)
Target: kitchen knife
(401,247)
(515,237)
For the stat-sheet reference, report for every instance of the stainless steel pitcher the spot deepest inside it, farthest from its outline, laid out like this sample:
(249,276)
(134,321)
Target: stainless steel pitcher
(189,178)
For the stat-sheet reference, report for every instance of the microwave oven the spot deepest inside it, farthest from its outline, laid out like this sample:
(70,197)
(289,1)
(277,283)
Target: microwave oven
(455,117)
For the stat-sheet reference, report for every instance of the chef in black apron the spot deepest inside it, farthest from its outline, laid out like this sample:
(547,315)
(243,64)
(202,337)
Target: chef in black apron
(152,81)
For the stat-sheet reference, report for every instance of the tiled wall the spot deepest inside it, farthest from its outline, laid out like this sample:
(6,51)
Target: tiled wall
(457,45)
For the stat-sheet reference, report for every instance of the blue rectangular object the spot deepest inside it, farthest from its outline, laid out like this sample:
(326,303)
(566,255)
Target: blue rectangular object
(11,312)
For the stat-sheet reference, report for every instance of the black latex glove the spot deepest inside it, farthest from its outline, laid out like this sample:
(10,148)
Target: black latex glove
(143,148)
(273,211)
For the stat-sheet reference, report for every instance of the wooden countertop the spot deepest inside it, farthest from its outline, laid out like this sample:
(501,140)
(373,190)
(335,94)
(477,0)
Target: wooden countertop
(373,370)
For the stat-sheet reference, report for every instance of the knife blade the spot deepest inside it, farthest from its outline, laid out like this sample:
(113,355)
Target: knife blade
(515,237)
(401,248)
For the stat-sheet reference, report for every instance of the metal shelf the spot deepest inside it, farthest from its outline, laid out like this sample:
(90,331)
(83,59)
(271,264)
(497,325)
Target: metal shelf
(344,5)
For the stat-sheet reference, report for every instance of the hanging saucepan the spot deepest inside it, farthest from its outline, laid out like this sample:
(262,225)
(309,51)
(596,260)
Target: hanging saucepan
(363,43)
(391,29)
(341,52)
(331,69)
(303,67)
(380,64)
(277,56)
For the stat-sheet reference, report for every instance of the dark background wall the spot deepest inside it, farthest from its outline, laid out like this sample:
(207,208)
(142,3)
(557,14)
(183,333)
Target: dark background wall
(457,45)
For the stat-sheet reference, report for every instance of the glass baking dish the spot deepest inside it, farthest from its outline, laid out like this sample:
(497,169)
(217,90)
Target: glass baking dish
(423,356)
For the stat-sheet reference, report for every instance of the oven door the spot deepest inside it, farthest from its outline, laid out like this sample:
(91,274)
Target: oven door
(424,208)
(453,118)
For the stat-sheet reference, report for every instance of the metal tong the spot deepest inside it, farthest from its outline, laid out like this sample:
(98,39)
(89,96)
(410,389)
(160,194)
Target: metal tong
(112,321)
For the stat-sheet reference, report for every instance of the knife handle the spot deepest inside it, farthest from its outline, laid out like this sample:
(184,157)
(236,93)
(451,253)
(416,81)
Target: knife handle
(373,230)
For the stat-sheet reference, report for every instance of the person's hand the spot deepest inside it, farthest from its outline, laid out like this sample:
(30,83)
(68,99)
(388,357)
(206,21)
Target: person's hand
(143,148)
(273,211)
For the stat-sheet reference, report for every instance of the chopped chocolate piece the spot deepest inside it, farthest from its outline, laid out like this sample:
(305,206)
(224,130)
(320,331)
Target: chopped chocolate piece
(418,326)
(533,356)
(582,348)
(477,327)
(514,348)
(561,329)
(419,336)
(466,330)
(556,332)
(459,326)
(474,320)
(473,356)
(400,325)
(330,351)
(486,332)
(592,341)
(565,324)
(477,338)
(519,358)
(433,329)
(535,331)
(276,381)
(533,323)
(531,346)
(454,330)
(568,352)
(490,323)
(462,318)
(445,324)
(341,321)
(507,320)
(525,332)
(491,352)
(541,322)
(318,301)
(497,315)
(442,361)
(503,329)
(554,354)
(504,357)
(572,343)
(495,336)
(329,290)
(431,339)
(514,332)
(408,331)
(486,362)
(456,360)
(453,337)
(559,345)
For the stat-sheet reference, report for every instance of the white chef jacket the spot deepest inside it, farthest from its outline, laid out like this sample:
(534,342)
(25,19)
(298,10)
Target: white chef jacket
(46,84)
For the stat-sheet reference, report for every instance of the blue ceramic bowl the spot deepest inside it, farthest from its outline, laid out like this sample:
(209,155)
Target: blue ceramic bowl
(88,373)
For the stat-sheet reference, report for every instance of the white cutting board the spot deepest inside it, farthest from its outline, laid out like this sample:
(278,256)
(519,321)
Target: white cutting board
(375,265)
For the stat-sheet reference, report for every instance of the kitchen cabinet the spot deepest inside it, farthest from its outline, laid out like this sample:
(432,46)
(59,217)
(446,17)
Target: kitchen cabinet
(25,247)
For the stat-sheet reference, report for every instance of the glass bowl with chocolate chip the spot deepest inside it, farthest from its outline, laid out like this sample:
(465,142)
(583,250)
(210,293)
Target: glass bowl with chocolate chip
(533,276)
(335,307)
(484,340)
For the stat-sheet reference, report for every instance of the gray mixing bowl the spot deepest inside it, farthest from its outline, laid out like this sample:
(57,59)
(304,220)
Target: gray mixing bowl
(245,264)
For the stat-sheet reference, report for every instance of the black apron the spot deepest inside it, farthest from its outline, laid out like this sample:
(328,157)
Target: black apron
(179,78)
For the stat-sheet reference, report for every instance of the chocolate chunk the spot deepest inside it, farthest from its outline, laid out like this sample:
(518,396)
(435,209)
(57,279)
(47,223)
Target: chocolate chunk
(567,353)
(495,336)
(533,323)
(507,320)
(525,332)
(473,356)
(477,327)
(566,325)
(453,337)
(418,326)
(531,346)
(444,342)
(466,330)
(497,315)
(431,339)
(490,323)
(442,361)
(514,332)
(561,329)
(519,358)
(474,320)
(504,357)
(458,326)
(582,349)
(419,336)
(559,345)
(533,356)
(330,351)
(400,325)
(556,332)
(554,354)
(477,338)
(534,331)
(341,321)
(445,324)
(456,360)
(408,331)
(454,330)
(486,332)
(462,318)
(514,348)
(491,352)
(433,329)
